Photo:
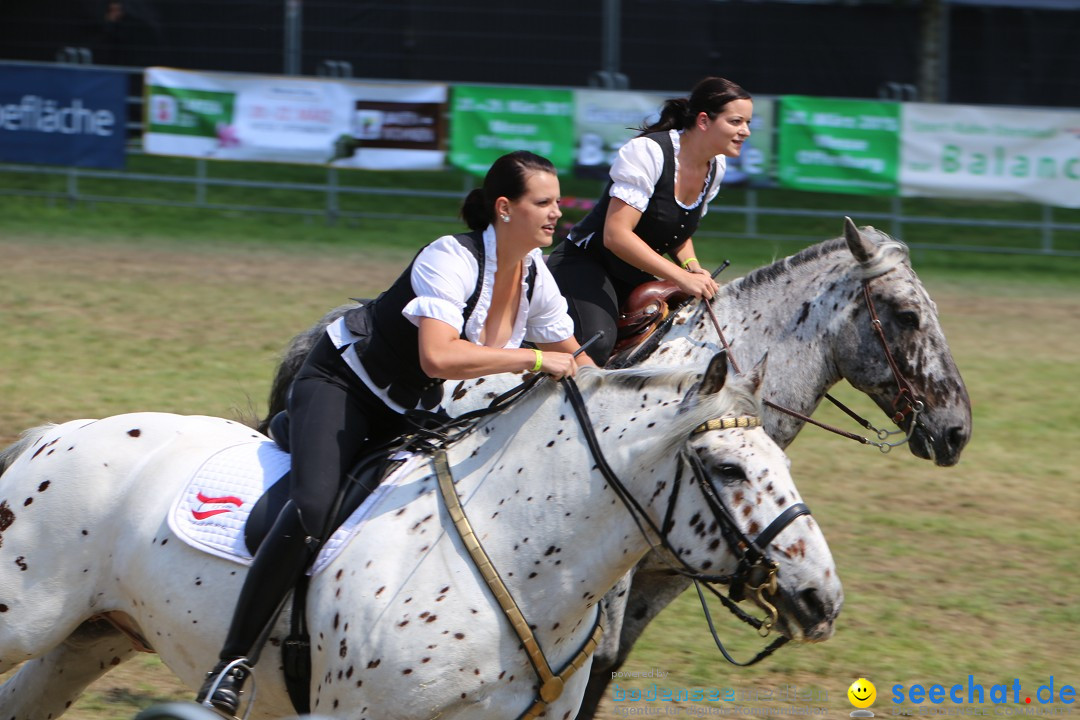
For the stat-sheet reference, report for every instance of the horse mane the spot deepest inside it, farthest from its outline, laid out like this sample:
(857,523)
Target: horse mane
(889,253)
(28,437)
(737,398)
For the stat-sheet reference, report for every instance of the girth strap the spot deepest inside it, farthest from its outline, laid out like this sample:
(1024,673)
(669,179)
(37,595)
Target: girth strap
(551,685)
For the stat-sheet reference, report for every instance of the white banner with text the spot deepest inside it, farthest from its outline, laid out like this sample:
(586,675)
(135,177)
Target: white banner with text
(382,126)
(965,151)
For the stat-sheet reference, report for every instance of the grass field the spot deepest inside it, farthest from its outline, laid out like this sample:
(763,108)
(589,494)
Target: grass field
(970,570)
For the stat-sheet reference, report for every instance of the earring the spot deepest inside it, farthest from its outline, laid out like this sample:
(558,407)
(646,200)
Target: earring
(505,218)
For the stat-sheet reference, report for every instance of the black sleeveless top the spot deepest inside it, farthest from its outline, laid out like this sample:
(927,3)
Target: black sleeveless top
(664,226)
(389,344)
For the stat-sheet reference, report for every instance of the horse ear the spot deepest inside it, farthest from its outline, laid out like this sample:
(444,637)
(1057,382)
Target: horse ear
(860,246)
(757,375)
(715,375)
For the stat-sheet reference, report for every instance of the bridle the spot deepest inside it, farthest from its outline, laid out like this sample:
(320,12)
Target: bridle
(755,571)
(912,405)
(905,392)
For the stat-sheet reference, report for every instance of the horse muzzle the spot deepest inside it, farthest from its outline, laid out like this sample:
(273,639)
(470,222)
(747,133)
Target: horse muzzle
(808,614)
(941,442)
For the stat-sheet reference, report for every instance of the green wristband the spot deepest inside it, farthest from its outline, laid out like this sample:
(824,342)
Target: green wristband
(539,360)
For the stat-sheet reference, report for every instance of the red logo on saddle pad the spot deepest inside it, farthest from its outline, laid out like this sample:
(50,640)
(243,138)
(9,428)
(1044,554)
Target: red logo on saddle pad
(201,514)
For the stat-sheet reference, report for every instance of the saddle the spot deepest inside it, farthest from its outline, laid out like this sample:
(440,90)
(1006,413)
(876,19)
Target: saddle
(645,308)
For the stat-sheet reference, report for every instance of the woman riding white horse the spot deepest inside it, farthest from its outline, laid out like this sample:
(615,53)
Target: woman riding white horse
(405,625)
(460,310)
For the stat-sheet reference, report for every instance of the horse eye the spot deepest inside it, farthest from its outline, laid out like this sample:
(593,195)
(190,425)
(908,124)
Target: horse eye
(908,319)
(729,474)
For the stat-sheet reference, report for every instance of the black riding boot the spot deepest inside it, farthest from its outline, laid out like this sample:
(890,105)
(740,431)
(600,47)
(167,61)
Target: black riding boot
(279,562)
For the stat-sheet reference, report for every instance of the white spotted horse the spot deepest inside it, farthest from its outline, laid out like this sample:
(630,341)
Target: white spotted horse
(851,308)
(404,618)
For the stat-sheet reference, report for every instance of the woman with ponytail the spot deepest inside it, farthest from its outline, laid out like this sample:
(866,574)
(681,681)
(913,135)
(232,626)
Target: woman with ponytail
(660,185)
(462,309)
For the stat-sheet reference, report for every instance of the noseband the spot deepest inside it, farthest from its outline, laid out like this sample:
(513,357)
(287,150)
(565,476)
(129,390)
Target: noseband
(755,570)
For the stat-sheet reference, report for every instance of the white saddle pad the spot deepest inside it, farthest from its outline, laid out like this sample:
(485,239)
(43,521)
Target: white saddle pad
(210,512)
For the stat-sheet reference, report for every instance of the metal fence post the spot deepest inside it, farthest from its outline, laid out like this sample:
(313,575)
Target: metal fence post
(333,207)
(200,182)
(1047,229)
(611,49)
(751,205)
(293,28)
(73,186)
(897,210)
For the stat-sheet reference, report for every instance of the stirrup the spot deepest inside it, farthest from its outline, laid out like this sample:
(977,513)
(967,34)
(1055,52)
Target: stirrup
(243,665)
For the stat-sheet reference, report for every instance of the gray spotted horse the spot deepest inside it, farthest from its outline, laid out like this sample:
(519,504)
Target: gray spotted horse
(817,314)
(98,558)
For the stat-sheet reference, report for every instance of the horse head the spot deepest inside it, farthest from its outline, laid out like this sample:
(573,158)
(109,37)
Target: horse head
(741,520)
(895,351)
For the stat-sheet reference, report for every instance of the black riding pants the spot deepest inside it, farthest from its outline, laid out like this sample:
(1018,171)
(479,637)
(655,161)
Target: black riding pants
(334,419)
(593,297)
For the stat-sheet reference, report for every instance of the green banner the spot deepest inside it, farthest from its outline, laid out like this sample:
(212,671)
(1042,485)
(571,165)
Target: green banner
(487,122)
(182,111)
(843,146)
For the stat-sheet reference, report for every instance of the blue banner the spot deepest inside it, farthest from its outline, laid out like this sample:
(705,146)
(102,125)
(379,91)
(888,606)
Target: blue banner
(61,116)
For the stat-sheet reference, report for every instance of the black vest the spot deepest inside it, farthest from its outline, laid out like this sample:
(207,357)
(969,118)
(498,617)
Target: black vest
(389,344)
(664,226)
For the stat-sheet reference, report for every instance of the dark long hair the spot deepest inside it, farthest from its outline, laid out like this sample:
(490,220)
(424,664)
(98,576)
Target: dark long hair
(506,178)
(708,96)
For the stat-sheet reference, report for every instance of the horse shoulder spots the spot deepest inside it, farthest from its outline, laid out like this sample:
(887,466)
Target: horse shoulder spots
(134,432)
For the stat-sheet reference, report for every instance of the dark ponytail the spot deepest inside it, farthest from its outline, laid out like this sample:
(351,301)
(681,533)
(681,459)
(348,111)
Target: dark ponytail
(474,212)
(507,178)
(708,96)
(673,116)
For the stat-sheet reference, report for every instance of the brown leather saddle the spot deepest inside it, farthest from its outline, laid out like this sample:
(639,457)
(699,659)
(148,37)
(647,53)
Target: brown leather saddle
(645,308)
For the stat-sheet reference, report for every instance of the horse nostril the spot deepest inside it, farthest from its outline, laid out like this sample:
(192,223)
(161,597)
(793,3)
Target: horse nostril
(813,603)
(956,437)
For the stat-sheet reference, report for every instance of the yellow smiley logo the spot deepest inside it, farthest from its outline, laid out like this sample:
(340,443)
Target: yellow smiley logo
(862,693)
